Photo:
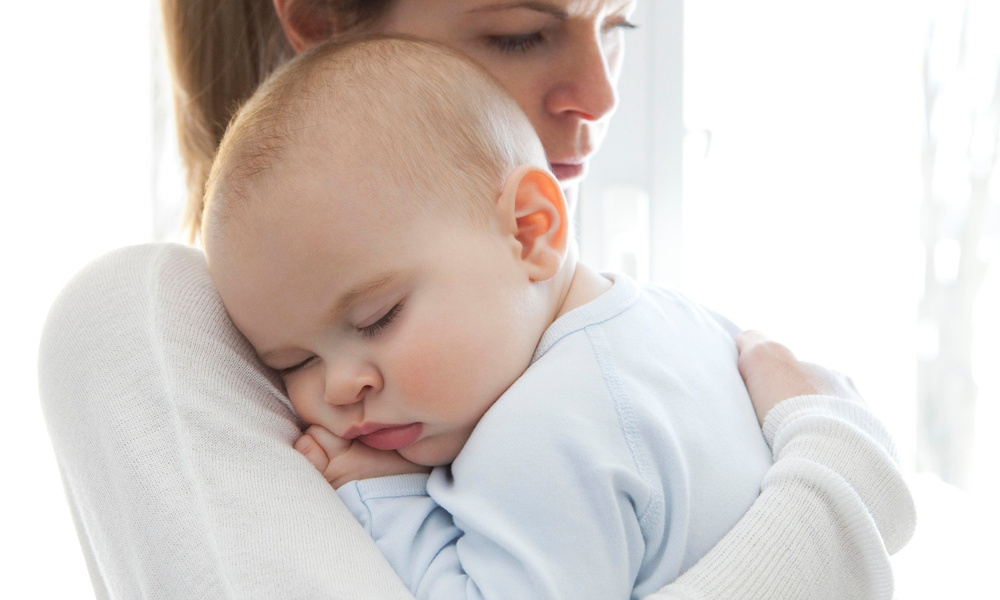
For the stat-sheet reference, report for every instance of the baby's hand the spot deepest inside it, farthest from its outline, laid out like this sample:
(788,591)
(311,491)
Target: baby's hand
(341,461)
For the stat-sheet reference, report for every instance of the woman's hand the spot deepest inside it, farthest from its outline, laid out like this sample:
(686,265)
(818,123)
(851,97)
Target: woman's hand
(772,374)
(341,461)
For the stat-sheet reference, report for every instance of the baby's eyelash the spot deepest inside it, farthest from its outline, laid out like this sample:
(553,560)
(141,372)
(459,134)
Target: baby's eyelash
(375,328)
(516,43)
(294,368)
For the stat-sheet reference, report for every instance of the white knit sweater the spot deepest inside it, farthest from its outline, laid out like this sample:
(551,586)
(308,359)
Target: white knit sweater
(175,449)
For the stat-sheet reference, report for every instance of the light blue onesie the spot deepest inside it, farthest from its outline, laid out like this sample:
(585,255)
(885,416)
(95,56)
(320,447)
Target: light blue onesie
(624,452)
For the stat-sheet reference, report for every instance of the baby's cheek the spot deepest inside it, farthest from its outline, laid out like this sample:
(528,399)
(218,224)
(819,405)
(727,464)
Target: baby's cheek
(306,395)
(435,368)
(419,369)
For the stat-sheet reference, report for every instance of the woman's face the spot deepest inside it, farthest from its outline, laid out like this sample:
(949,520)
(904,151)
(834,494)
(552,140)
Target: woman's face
(560,59)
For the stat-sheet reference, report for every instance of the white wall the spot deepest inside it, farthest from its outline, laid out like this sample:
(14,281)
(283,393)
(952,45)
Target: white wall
(75,159)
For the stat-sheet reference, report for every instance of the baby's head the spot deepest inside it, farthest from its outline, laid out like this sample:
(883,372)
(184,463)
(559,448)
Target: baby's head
(381,226)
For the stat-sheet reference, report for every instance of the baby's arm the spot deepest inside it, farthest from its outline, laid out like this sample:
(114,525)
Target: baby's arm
(537,515)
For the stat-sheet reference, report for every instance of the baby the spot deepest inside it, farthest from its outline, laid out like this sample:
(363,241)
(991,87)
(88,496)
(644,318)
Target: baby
(382,227)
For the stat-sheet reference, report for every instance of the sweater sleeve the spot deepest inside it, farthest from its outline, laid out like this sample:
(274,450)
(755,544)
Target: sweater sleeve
(174,446)
(831,510)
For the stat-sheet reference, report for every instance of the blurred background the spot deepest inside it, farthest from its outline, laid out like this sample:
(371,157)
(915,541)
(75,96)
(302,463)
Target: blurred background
(824,172)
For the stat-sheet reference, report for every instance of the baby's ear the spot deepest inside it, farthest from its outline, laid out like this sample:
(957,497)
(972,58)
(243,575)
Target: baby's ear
(533,209)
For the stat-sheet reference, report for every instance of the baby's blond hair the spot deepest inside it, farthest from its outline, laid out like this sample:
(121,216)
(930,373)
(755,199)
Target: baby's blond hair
(448,126)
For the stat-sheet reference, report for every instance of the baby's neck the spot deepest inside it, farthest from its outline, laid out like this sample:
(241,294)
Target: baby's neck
(585,285)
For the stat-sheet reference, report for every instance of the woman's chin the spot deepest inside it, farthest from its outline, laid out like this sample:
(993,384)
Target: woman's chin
(568,173)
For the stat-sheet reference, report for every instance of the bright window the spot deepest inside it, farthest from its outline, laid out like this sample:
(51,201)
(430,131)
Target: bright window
(782,184)
(810,130)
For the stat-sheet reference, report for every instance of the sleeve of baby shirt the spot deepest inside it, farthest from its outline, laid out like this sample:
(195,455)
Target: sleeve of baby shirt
(537,514)
(416,535)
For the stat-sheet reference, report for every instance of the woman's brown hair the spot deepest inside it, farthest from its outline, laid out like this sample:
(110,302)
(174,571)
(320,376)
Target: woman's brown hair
(219,51)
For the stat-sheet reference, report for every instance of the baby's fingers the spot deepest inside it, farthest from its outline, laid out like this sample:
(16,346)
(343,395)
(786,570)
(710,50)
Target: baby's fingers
(321,447)
(332,445)
(307,446)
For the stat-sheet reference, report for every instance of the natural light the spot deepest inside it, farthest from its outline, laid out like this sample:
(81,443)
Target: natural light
(803,217)
(805,213)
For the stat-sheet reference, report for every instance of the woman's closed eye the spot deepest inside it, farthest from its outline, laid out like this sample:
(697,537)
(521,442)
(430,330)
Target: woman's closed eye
(370,331)
(523,42)
(518,43)
(623,24)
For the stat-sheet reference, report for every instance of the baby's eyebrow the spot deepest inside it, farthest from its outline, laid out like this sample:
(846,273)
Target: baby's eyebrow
(365,289)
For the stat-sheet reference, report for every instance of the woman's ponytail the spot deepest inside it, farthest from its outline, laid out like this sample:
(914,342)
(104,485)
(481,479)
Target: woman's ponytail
(219,51)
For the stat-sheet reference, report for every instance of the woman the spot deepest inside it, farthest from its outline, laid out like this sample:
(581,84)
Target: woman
(175,444)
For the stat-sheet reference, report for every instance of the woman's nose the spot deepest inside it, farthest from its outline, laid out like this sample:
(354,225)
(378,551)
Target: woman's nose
(587,87)
(348,382)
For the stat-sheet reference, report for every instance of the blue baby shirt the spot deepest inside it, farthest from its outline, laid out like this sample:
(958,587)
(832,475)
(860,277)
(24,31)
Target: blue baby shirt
(625,451)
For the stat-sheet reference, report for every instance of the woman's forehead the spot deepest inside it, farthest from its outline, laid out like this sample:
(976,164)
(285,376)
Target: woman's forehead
(558,8)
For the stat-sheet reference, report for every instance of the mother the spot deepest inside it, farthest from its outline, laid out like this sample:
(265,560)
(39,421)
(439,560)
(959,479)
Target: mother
(175,443)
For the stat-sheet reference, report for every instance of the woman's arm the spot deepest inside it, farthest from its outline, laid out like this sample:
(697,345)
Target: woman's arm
(175,446)
(833,506)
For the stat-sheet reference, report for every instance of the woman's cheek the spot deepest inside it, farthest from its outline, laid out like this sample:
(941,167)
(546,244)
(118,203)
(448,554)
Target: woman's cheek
(525,80)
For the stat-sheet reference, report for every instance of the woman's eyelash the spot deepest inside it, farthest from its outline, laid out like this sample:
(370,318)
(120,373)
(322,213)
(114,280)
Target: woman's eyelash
(517,43)
(386,320)
(524,42)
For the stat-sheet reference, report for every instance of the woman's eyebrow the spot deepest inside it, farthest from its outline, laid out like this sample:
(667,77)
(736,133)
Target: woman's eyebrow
(544,7)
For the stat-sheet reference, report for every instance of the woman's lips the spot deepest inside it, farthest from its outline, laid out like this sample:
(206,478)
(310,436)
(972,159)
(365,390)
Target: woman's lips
(564,171)
(387,437)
